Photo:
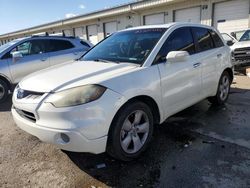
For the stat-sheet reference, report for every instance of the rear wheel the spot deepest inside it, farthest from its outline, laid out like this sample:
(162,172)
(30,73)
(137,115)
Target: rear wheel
(130,132)
(222,91)
(4,90)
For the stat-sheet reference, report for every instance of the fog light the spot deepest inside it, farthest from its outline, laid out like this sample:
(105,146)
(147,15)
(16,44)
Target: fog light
(64,137)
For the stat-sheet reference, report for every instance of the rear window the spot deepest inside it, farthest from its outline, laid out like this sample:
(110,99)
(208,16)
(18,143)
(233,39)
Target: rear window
(204,39)
(58,45)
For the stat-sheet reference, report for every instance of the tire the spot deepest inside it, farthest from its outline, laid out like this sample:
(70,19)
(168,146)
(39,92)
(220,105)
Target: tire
(4,90)
(130,132)
(223,90)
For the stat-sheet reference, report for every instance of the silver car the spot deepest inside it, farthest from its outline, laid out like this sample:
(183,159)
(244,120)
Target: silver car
(21,57)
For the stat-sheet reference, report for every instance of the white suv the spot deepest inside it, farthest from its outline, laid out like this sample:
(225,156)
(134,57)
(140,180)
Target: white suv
(111,99)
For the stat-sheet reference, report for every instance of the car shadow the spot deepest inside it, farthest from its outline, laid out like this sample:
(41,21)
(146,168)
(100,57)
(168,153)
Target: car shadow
(6,106)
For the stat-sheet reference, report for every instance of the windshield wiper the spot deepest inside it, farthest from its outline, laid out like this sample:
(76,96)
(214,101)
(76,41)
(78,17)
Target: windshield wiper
(106,61)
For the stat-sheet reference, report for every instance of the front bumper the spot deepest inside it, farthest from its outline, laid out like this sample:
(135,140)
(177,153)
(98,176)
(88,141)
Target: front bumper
(77,142)
(85,126)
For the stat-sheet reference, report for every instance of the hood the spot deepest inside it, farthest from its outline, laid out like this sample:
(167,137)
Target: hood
(72,75)
(242,44)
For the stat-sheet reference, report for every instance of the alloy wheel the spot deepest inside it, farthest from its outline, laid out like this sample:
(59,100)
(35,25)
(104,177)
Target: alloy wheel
(134,132)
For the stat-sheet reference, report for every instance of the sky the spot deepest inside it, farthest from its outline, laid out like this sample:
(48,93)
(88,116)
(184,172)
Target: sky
(21,14)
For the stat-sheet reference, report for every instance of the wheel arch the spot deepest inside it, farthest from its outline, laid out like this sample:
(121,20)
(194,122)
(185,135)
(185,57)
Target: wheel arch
(230,72)
(148,101)
(2,77)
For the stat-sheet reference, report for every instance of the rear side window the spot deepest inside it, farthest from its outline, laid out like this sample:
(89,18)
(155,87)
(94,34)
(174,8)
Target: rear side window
(58,45)
(180,40)
(204,39)
(217,40)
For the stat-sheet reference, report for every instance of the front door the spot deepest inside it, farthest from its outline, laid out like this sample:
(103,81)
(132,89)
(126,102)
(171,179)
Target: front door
(181,81)
(34,58)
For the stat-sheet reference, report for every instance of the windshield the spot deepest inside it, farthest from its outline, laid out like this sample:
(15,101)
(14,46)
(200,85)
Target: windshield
(245,36)
(132,46)
(7,45)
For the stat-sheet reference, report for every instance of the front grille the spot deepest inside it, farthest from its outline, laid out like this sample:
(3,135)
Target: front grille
(26,115)
(242,54)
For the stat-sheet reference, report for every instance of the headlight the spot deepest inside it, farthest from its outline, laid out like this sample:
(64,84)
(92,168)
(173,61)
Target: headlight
(76,96)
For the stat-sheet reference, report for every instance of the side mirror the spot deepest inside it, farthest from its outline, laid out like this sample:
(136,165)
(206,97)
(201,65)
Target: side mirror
(230,42)
(16,56)
(177,56)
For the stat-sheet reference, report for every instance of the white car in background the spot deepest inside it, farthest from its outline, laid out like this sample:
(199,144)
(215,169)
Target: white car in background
(135,78)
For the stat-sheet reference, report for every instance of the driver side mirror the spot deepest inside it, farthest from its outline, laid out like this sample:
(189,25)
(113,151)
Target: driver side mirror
(177,56)
(16,56)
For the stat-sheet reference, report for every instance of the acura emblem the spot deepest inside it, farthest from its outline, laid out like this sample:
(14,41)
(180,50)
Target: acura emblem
(20,93)
(248,52)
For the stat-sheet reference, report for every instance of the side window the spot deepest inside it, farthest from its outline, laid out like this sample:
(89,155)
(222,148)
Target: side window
(180,40)
(204,39)
(217,40)
(23,48)
(58,45)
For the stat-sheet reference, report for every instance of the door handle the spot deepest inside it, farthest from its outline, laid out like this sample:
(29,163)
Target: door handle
(219,55)
(196,65)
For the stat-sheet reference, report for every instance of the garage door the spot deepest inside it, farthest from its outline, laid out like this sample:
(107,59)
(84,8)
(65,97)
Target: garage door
(92,34)
(68,32)
(231,16)
(154,19)
(110,28)
(192,15)
(79,32)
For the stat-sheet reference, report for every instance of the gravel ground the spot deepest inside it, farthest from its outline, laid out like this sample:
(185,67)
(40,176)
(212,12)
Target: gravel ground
(202,146)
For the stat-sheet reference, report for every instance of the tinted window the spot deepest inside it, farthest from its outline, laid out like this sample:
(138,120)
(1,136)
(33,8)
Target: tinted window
(180,40)
(217,40)
(57,45)
(204,39)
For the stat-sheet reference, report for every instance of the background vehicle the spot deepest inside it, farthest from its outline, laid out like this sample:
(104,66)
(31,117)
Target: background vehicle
(230,40)
(238,34)
(241,53)
(124,85)
(21,57)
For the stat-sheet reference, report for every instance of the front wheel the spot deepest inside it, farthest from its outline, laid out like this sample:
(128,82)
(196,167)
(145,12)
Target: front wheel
(130,132)
(4,90)
(222,91)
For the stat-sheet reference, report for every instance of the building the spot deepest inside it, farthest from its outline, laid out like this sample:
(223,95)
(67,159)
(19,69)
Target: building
(226,15)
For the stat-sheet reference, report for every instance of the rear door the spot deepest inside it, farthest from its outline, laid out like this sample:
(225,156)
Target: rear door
(181,81)
(211,55)
(61,51)
(34,58)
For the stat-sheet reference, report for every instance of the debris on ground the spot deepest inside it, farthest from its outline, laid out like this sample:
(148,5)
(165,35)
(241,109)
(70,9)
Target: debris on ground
(207,142)
(102,165)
